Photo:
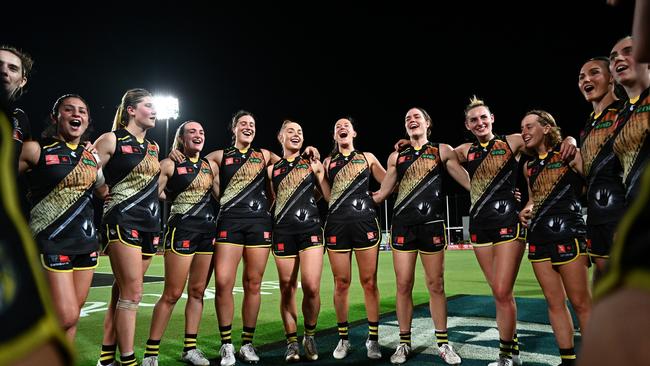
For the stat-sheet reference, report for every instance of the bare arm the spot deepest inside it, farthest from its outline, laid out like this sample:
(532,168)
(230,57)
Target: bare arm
(389,181)
(166,171)
(527,212)
(323,184)
(105,146)
(378,171)
(576,163)
(568,148)
(461,152)
(269,174)
(455,170)
(29,156)
(270,157)
(215,157)
(215,181)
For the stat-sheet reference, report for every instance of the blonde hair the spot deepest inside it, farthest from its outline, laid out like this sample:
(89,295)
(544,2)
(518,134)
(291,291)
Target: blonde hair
(130,99)
(180,132)
(544,118)
(475,102)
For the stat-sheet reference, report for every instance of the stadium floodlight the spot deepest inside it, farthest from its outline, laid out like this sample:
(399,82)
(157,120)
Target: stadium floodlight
(166,107)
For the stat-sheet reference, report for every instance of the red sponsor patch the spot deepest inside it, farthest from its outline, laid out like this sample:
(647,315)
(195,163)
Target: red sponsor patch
(531,248)
(126,149)
(503,231)
(181,170)
(155,240)
(223,234)
(471,156)
(399,239)
(51,159)
(333,165)
(280,247)
(267,235)
(186,244)
(589,243)
(331,239)
(561,248)
(371,235)
(228,161)
(64,258)
(65,159)
(437,240)
(474,238)
(277,172)
(135,234)
(93,254)
(315,239)
(530,172)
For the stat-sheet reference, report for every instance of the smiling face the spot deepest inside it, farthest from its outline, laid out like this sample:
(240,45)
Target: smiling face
(143,114)
(344,132)
(193,138)
(594,80)
(244,130)
(291,137)
(533,132)
(479,121)
(11,72)
(72,119)
(622,65)
(416,123)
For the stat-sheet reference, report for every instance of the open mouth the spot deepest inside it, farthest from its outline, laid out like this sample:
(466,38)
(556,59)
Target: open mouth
(343,134)
(197,141)
(295,140)
(413,125)
(247,133)
(621,68)
(589,88)
(527,138)
(75,123)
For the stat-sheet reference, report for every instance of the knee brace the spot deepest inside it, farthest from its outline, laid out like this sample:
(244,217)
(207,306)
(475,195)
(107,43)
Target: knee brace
(127,305)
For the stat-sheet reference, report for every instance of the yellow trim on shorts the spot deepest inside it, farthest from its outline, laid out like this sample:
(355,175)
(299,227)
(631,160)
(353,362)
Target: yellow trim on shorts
(517,237)
(540,260)
(171,245)
(339,250)
(311,247)
(86,268)
(204,253)
(481,245)
(52,269)
(575,240)
(227,243)
(283,256)
(47,328)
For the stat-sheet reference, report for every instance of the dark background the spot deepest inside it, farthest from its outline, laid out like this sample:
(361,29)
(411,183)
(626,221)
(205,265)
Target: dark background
(316,62)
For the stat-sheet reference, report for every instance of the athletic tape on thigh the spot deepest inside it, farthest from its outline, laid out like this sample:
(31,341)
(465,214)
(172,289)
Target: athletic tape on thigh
(127,305)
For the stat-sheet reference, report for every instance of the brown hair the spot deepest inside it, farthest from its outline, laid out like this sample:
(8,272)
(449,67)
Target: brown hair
(26,62)
(52,128)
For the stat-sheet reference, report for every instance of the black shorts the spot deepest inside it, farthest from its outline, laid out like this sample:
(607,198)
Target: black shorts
(146,241)
(600,239)
(344,237)
(244,234)
(183,242)
(286,245)
(494,236)
(427,238)
(558,253)
(69,262)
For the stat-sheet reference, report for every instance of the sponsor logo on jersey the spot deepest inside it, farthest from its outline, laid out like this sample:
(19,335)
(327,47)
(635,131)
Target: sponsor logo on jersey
(255,160)
(556,165)
(181,170)
(89,162)
(331,239)
(604,124)
(399,240)
(185,244)
(51,159)
(498,152)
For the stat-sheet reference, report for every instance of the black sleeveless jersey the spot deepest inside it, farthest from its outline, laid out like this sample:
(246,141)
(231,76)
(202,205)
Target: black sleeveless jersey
(557,213)
(60,192)
(132,176)
(242,177)
(419,192)
(605,190)
(632,145)
(190,191)
(493,175)
(349,177)
(295,206)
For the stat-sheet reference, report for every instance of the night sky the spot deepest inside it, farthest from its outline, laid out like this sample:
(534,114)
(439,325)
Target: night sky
(316,63)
